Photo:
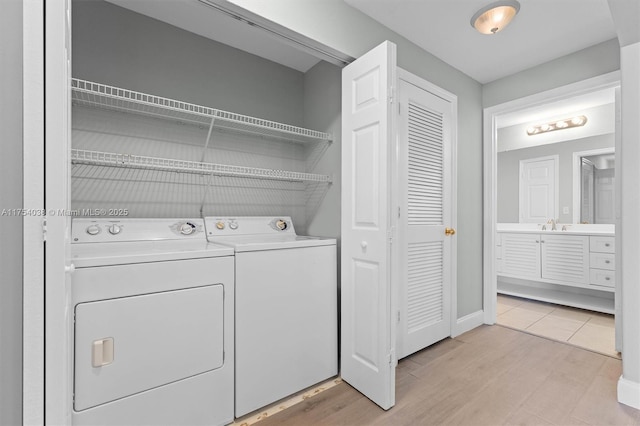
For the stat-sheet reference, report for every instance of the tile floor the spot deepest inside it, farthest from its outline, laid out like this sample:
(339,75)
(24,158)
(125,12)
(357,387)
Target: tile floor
(585,329)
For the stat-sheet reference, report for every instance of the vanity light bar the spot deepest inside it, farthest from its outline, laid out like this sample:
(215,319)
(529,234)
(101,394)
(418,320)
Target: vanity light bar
(577,121)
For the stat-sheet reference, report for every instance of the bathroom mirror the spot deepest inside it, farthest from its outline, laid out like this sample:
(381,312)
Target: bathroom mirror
(572,196)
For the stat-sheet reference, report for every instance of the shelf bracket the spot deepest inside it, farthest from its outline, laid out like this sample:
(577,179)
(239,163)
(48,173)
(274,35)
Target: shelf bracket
(206,144)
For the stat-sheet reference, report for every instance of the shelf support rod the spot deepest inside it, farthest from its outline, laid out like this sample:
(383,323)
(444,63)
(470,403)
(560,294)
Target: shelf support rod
(204,153)
(206,144)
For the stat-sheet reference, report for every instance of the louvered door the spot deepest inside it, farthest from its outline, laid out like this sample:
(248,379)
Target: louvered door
(521,256)
(565,258)
(425,210)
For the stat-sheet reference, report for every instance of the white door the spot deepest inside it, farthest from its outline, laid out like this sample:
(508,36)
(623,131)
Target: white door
(367,336)
(538,189)
(425,185)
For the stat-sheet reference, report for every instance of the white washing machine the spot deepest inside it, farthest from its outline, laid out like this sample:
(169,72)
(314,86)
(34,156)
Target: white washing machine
(286,308)
(153,331)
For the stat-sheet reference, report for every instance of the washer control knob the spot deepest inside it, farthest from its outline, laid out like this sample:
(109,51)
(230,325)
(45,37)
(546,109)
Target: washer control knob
(187,228)
(93,229)
(115,229)
(220,224)
(233,225)
(281,224)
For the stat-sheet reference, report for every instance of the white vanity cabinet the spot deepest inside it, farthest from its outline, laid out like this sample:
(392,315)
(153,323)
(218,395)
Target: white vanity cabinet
(556,258)
(569,268)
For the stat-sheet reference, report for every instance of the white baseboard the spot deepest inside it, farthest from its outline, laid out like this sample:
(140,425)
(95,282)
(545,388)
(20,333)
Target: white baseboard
(629,393)
(467,322)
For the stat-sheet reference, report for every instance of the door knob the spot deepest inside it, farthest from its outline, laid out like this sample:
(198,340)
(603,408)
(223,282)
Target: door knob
(449,231)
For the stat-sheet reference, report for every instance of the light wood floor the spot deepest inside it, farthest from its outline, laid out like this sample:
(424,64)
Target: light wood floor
(491,375)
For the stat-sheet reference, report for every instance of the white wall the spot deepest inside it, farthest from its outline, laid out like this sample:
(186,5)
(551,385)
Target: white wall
(337,25)
(11,226)
(509,172)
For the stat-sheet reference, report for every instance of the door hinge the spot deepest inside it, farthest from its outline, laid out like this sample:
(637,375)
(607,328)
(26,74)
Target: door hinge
(392,93)
(398,212)
(44,228)
(399,109)
(392,356)
(390,236)
(398,316)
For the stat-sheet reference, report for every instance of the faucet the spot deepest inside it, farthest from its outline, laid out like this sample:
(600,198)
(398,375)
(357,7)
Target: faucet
(553,224)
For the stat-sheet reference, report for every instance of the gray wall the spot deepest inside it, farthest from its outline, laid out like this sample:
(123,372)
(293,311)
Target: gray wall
(11,226)
(113,45)
(354,33)
(509,170)
(590,62)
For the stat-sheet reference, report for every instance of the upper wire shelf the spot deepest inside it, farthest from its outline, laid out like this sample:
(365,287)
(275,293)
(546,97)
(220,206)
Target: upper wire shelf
(86,93)
(97,158)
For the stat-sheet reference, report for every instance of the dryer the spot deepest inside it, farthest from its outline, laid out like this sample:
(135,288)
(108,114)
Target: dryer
(153,339)
(286,307)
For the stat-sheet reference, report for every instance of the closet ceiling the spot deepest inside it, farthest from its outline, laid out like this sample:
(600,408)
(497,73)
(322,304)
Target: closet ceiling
(542,31)
(196,17)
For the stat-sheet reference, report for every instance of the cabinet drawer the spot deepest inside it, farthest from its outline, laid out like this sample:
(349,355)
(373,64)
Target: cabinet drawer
(602,244)
(603,261)
(603,278)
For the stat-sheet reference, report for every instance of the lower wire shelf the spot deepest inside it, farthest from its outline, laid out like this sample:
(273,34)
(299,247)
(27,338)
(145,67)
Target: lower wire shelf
(110,159)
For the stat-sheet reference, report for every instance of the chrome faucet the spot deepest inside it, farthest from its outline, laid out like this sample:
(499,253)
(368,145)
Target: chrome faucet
(553,224)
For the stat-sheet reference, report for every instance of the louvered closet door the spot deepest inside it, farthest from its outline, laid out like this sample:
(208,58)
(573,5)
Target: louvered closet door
(425,201)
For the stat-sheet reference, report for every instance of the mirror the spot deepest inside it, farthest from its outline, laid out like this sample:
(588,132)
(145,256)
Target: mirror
(592,202)
(597,180)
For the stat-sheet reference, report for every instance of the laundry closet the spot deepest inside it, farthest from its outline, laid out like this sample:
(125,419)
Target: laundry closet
(170,324)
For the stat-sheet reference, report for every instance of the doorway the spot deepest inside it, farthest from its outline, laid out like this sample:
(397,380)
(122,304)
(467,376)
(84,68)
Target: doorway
(500,117)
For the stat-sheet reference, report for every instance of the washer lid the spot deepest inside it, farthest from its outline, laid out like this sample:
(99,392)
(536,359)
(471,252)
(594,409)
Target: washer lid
(104,254)
(275,242)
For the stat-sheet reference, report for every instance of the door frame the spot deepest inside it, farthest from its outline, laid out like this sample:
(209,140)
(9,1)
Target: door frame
(490,147)
(556,184)
(423,84)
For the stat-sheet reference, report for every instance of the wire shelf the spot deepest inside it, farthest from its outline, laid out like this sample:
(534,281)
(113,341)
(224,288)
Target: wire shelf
(86,93)
(97,158)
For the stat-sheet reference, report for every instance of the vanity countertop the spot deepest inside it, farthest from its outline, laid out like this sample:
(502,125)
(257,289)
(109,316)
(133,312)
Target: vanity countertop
(571,229)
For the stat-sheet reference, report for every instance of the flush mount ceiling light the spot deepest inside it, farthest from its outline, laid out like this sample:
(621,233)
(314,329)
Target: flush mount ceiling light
(577,121)
(495,17)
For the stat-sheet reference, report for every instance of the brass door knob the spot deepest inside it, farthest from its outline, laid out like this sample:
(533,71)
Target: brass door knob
(449,231)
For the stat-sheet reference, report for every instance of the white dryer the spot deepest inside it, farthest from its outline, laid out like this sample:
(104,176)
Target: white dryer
(286,308)
(153,315)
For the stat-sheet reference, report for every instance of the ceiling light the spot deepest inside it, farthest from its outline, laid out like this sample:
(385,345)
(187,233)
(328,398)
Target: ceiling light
(568,123)
(494,17)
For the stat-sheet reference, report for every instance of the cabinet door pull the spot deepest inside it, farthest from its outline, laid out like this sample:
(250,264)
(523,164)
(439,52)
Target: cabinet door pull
(607,261)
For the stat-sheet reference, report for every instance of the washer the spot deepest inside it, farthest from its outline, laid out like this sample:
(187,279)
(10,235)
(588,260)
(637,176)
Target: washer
(153,306)
(286,307)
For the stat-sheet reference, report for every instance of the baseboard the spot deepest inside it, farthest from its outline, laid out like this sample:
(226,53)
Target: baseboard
(467,322)
(629,393)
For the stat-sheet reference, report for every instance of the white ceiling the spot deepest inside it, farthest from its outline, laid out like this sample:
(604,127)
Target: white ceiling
(543,30)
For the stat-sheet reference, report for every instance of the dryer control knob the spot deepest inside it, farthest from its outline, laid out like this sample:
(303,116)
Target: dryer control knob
(220,225)
(93,229)
(281,224)
(187,228)
(233,225)
(115,229)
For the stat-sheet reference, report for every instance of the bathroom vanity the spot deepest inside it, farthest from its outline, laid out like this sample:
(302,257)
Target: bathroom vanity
(572,265)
